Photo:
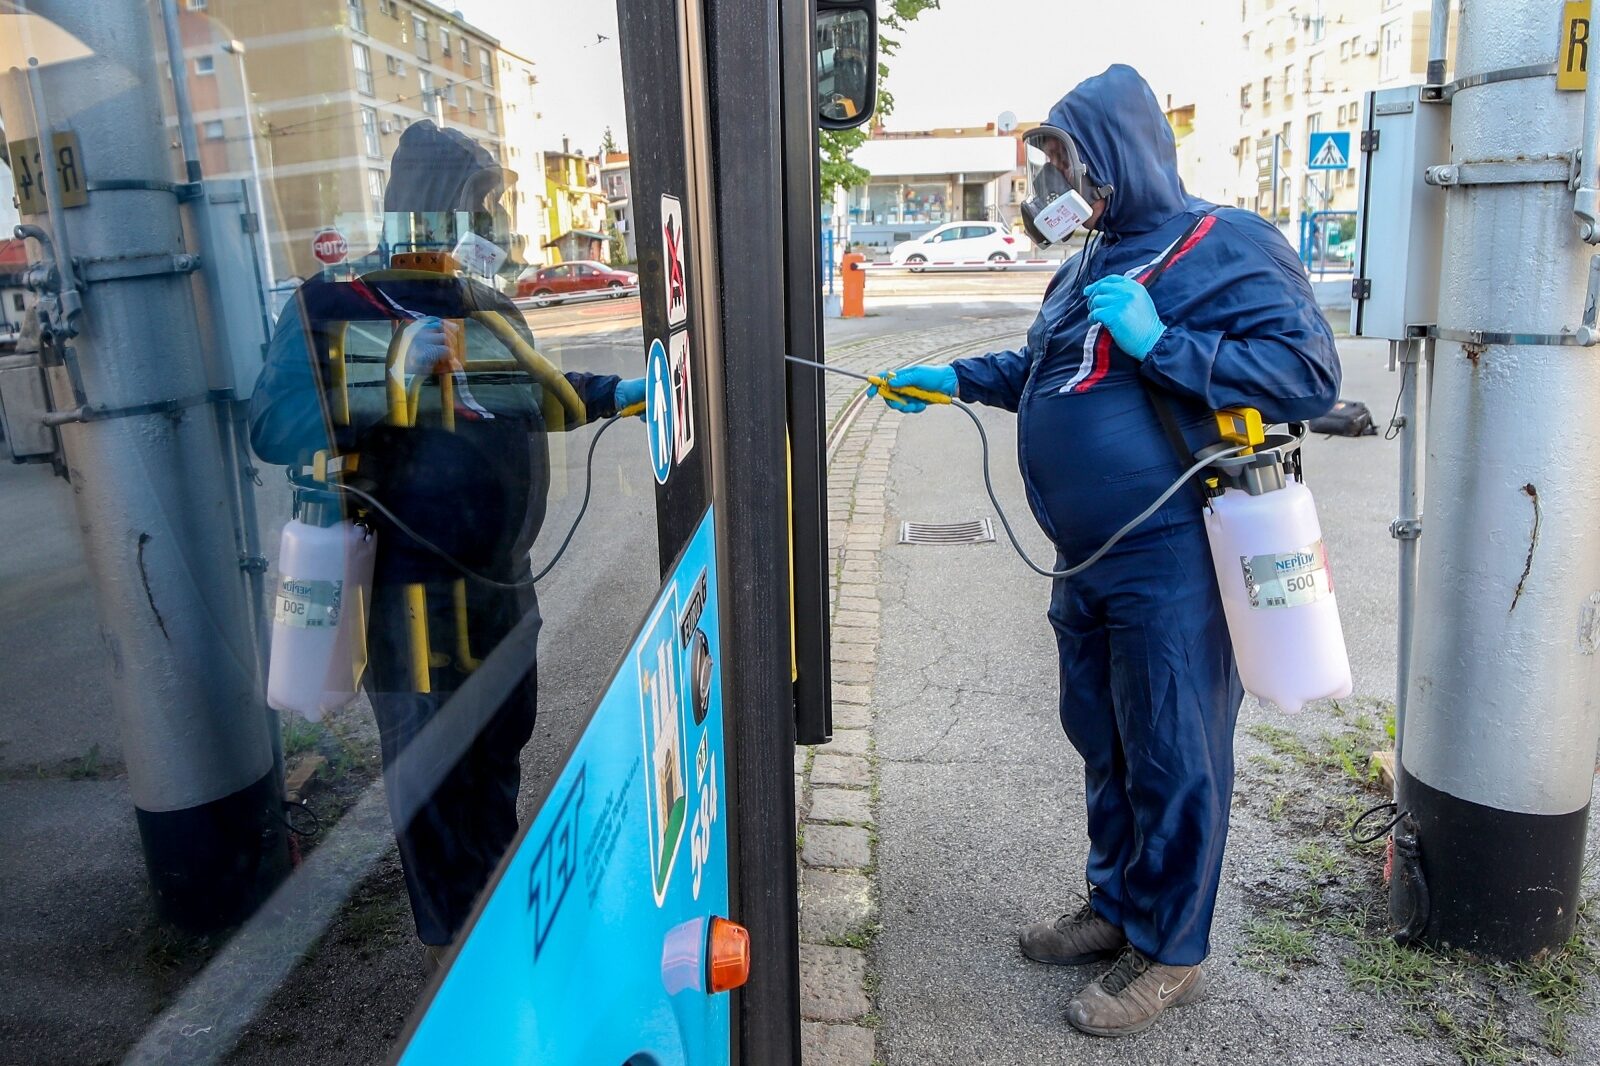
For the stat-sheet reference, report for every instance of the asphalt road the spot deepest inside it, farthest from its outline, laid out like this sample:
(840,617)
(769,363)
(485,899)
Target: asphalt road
(980,821)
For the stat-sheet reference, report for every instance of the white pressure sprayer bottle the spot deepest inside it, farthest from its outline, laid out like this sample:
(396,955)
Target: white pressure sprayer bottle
(320,603)
(1272,568)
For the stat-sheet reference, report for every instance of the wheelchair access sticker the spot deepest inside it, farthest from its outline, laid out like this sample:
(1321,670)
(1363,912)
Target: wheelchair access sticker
(660,411)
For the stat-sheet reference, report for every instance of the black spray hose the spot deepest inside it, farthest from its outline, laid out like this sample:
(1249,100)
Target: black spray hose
(994,499)
(466,571)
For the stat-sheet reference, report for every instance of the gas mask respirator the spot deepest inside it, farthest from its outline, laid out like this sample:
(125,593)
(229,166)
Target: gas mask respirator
(1060,195)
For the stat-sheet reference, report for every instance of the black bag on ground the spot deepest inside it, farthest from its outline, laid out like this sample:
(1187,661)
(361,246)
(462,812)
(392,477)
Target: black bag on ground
(1349,418)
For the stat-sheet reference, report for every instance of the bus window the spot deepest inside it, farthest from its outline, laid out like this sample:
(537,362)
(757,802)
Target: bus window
(354,520)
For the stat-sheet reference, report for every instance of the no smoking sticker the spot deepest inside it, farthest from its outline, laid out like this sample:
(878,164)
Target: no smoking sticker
(672,238)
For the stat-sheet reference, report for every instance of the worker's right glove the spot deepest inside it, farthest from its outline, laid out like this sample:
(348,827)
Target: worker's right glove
(940,380)
(629,393)
(427,345)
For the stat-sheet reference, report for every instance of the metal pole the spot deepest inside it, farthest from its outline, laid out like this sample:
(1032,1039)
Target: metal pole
(1407,526)
(151,488)
(1438,40)
(180,89)
(1502,721)
(1276,155)
(269,279)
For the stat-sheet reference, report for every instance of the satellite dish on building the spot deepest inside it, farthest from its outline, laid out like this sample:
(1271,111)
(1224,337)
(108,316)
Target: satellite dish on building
(1007,122)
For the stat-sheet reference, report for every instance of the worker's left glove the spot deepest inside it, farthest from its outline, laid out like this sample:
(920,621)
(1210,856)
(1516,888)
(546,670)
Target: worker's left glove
(1124,307)
(630,391)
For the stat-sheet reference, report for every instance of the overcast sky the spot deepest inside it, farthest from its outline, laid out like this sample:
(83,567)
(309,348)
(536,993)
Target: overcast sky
(972,59)
(580,76)
(960,65)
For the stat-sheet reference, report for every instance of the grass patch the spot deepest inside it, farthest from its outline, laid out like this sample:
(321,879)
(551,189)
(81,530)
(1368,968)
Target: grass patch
(299,736)
(1282,741)
(1329,903)
(1273,946)
(1270,764)
(1318,860)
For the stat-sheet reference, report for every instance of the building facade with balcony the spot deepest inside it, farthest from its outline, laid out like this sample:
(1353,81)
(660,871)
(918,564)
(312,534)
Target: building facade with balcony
(576,206)
(1304,67)
(310,98)
(616,181)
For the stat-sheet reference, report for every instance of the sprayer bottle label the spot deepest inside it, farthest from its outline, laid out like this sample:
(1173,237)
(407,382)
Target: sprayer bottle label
(1287,579)
(308,604)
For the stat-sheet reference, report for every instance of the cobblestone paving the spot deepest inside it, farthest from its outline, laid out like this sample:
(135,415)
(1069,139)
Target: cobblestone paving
(836,782)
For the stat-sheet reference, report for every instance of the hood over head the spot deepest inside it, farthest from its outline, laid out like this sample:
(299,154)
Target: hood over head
(437,169)
(436,172)
(1124,140)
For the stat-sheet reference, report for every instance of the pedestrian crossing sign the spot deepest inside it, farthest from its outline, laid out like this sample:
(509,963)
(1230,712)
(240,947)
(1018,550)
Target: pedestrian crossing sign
(1329,151)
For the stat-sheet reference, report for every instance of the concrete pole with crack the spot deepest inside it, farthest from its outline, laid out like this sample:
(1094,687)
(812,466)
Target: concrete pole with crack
(148,457)
(1498,753)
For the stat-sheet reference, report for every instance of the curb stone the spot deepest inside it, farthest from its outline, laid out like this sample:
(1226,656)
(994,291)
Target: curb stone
(836,783)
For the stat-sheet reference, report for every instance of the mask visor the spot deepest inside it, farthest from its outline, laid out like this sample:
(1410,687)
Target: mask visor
(1058,186)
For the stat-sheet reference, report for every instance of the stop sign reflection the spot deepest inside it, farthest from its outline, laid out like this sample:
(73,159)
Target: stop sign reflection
(330,247)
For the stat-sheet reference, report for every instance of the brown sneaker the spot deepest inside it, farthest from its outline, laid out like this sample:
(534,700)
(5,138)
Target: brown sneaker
(1075,939)
(1132,994)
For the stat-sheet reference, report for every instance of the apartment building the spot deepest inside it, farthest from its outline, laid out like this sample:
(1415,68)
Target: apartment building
(616,181)
(331,85)
(1304,67)
(576,205)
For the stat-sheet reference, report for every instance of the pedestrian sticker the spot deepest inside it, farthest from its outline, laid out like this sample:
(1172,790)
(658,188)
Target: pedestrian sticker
(1289,579)
(672,238)
(1329,151)
(1572,52)
(682,396)
(658,411)
(661,702)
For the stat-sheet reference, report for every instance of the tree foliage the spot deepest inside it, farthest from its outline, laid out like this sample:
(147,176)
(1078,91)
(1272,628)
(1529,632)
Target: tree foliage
(608,143)
(836,146)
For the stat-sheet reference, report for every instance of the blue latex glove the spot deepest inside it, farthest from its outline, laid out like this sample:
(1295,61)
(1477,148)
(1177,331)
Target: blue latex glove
(629,392)
(927,378)
(430,346)
(1124,307)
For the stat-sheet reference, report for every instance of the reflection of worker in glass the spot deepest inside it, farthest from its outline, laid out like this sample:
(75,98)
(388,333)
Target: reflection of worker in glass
(841,65)
(847,86)
(467,470)
(1149,689)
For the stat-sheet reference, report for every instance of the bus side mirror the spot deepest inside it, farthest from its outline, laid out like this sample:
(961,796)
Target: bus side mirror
(846,49)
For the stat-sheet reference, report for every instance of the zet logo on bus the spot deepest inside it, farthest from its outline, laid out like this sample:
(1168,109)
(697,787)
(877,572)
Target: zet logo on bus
(658,411)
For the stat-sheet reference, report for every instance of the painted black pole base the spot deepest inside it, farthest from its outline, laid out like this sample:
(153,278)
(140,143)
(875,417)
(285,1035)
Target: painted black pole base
(1498,883)
(211,866)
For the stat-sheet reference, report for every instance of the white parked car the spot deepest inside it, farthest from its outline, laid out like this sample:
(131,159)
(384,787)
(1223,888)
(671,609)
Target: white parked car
(968,243)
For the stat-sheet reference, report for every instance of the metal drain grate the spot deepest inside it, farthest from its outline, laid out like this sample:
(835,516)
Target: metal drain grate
(977,531)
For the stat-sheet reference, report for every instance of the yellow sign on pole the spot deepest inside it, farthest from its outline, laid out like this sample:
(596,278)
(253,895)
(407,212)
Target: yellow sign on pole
(1572,56)
(27,171)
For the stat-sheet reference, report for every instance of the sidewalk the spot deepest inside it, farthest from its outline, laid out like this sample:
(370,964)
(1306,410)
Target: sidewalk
(976,821)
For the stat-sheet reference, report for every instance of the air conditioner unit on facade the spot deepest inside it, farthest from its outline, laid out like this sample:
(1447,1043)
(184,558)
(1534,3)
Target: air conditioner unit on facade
(1372,48)
(387,126)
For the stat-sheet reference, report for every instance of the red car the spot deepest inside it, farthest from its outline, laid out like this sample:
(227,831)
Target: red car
(552,284)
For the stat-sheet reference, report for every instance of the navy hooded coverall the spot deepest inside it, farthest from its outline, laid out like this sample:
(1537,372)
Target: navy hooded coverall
(1149,688)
